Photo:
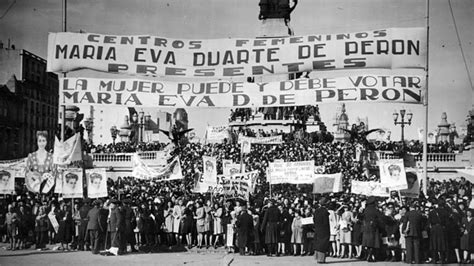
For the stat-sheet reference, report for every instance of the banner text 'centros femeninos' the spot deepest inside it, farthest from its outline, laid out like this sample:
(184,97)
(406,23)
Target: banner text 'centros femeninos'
(159,56)
(148,93)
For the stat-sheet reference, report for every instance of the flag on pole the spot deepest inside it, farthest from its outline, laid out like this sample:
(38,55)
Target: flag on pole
(141,170)
(68,151)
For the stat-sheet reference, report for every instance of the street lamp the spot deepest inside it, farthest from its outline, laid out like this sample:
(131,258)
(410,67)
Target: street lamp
(89,124)
(402,122)
(140,126)
(114,131)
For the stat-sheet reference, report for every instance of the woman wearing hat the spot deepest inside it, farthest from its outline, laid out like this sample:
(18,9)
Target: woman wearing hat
(372,223)
(467,238)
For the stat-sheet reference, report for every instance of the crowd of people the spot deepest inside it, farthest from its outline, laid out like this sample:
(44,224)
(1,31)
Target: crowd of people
(298,113)
(167,216)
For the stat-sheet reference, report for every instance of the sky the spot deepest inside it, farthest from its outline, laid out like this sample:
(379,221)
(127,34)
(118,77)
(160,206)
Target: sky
(27,23)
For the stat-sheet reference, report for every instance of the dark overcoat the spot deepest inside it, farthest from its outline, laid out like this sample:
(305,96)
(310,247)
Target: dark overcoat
(322,231)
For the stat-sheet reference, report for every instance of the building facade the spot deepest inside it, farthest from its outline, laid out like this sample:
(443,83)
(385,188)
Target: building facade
(28,102)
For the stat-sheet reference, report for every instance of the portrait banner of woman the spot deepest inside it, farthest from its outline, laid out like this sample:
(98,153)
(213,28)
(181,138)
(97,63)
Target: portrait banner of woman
(96,183)
(40,170)
(392,174)
(7,181)
(72,183)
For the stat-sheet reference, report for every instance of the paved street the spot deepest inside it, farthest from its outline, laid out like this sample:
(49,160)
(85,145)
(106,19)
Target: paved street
(31,257)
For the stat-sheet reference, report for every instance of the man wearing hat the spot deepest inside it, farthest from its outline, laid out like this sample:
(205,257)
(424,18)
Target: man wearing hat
(270,225)
(322,232)
(412,228)
(93,226)
(372,223)
(115,227)
(245,227)
(130,220)
(83,238)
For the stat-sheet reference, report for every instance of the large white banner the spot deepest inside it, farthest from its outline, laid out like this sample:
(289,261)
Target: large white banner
(392,174)
(7,181)
(369,188)
(217,133)
(406,87)
(96,183)
(141,170)
(301,172)
(16,167)
(261,140)
(160,56)
(72,183)
(327,183)
(239,185)
(68,151)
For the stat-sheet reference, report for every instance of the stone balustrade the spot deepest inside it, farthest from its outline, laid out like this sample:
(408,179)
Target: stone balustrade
(124,160)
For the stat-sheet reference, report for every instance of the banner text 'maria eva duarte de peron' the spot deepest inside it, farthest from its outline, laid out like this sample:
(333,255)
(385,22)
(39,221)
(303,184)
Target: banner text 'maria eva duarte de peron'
(150,93)
(225,58)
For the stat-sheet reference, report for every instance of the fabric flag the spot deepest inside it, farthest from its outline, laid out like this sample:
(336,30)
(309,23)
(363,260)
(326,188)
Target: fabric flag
(369,188)
(413,183)
(72,183)
(68,151)
(58,188)
(327,183)
(96,183)
(7,181)
(172,171)
(392,174)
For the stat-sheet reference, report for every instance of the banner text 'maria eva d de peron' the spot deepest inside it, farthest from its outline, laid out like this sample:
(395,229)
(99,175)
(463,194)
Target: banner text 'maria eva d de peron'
(150,93)
(159,56)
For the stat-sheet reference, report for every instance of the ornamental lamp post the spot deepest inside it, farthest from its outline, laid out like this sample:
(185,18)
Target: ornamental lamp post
(141,115)
(402,122)
(89,124)
(114,131)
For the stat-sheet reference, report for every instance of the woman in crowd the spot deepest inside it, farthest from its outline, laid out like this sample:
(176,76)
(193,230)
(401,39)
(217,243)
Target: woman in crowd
(297,233)
(200,223)
(169,222)
(178,211)
(467,239)
(41,228)
(333,225)
(217,230)
(208,223)
(187,223)
(345,228)
(66,226)
(372,223)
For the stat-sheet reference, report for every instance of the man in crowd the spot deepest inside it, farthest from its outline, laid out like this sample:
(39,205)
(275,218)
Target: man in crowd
(245,228)
(270,224)
(94,226)
(321,231)
(412,227)
(116,228)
